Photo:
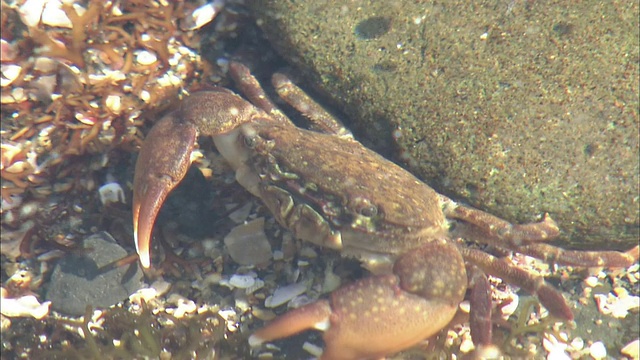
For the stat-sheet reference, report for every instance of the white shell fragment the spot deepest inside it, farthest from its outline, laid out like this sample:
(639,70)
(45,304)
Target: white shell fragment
(312,349)
(146,294)
(202,15)
(31,12)
(53,15)
(114,103)
(111,193)
(285,294)
(631,350)
(183,305)
(556,349)
(597,350)
(248,244)
(617,305)
(10,73)
(49,12)
(24,306)
(242,281)
(144,57)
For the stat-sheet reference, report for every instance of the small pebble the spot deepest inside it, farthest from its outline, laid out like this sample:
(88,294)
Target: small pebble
(263,314)
(591,281)
(145,294)
(145,57)
(114,103)
(242,281)
(597,350)
(577,343)
(467,346)
(161,287)
(242,214)
(312,349)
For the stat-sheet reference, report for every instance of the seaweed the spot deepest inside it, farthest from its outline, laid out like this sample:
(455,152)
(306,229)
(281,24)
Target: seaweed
(123,334)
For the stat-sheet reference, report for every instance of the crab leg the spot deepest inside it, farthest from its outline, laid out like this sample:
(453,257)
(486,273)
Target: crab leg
(548,295)
(554,254)
(250,87)
(495,228)
(297,98)
(480,311)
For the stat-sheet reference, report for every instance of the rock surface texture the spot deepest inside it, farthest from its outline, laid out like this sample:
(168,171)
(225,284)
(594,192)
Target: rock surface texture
(77,282)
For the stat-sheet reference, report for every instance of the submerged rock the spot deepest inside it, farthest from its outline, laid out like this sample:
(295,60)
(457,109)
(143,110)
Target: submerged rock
(76,282)
(517,109)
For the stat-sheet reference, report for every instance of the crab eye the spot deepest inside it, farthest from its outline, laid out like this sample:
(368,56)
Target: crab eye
(365,208)
(369,211)
(250,141)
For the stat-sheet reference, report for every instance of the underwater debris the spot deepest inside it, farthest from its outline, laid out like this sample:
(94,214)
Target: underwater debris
(76,75)
(27,305)
(117,333)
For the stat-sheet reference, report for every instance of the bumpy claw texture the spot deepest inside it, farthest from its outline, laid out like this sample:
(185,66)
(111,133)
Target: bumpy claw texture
(381,315)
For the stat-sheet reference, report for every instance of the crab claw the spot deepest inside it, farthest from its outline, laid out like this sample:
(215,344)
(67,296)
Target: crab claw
(382,315)
(163,161)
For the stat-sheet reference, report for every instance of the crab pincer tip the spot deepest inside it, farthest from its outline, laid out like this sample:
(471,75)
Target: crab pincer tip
(143,251)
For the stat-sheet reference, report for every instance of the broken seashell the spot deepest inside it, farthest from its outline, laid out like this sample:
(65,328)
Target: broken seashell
(632,349)
(285,294)
(31,12)
(10,73)
(202,15)
(23,307)
(242,281)
(597,350)
(248,244)
(183,305)
(111,193)
(145,295)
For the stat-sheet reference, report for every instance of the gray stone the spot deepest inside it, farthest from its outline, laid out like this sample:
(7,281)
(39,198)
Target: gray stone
(76,283)
(518,108)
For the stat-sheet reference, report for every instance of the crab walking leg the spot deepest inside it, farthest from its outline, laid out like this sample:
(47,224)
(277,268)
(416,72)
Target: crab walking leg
(250,87)
(480,311)
(534,284)
(382,315)
(495,228)
(554,254)
(297,98)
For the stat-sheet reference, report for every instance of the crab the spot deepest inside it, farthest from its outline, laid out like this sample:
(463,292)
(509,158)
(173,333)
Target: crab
(328,189)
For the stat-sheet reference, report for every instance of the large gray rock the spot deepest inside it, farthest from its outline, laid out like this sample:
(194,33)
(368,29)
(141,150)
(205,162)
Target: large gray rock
(76,282)
(515,107)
